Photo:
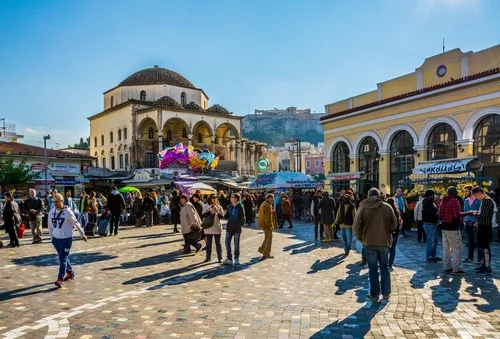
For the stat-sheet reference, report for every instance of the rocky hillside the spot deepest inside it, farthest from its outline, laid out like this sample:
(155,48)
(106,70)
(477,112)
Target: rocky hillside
(276,129)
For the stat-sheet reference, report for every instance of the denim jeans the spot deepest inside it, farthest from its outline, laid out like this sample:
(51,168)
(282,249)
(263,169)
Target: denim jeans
(347,238)
(63,247)
(392,253)
(431,231)
(378,257)
(229,236)
(218,246)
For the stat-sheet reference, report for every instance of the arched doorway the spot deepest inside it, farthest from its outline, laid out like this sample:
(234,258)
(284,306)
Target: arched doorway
(175,130)
(442,142)
(202,134)
(401,160)
(224,136)
(340,164)
(147,144)
(487,147)
(368,164)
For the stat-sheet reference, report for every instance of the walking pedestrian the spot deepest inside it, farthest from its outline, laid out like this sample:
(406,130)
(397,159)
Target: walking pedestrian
(148,206)
(326,208)
(68,201)
(11,218)
(484,229)
(138,209)
(235,216)
(212,211)
(306,205)
(84,216)
(417,213)
(430,220)
(248,204)
(35,208)
(190,225)
(92,207)
(450,215)
(198,205)
(346,213)
(395,232)
(373,227)
(286,210)
(470,220)
(267,222)
(297,206)
(61,223)
(316,215)
(402,207)
(175,209)
(115,205)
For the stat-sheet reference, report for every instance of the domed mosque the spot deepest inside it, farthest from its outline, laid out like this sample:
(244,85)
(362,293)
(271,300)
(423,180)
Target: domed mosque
(156,108)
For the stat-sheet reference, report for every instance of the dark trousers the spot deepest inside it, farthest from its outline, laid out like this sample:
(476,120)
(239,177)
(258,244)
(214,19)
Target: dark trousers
(218,245)
(286,218)
(190,242)
(421,232)
(471,232)
(392,251)
(13,236)
(317,225)
(114,221)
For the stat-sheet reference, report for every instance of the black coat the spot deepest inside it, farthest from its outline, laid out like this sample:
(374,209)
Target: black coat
(11,216)
(327,208)
(115,203)
(34,204)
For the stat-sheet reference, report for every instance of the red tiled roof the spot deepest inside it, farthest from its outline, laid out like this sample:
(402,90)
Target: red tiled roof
(16,148)
(414,93)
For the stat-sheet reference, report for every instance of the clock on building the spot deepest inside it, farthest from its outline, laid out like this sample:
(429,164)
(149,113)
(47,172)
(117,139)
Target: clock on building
(441,71)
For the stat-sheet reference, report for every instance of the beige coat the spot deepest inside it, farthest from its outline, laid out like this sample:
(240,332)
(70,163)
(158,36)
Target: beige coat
(217,227)
(189,217)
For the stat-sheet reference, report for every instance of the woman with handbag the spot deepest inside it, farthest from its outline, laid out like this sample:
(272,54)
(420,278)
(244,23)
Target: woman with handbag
(11,218)
(92,207)
(190,225)
(212,215)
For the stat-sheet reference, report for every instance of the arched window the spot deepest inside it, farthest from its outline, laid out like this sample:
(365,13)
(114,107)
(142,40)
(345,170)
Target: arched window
(183,99)
(119,134)
(368,163)
(126,160)
(401,160)
(340,164)
(169,135)
(143,96)
(442,143)
(111,137)
(125,133)
(102,140)
(487,140)
(151,133)
(112,101)
(184,133)
(95,141)
(199,138)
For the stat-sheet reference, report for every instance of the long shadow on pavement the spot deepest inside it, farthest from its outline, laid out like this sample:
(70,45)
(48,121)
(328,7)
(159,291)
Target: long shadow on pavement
(26,291)
(354,281)
(149,261)
(326,264)
(356,325)
(160,243)
(43,260)
(152,236)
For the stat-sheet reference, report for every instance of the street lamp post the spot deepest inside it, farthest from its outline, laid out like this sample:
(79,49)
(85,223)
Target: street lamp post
(45,138)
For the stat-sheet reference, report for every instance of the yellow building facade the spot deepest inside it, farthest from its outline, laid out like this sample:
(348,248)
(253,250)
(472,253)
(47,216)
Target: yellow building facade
(448,108)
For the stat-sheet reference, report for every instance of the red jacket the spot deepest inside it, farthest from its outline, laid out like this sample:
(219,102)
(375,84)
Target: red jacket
(450,214)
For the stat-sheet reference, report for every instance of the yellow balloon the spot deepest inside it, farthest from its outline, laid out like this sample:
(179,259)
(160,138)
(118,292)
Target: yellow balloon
(215,162)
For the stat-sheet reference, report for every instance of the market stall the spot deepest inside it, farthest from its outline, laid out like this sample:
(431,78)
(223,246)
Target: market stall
(283,181)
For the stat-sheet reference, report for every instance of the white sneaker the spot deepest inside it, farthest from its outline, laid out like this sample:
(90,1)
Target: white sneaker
(227,262)
(236,261)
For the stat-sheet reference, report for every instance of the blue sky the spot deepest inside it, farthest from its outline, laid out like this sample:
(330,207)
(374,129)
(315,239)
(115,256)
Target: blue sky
(58,57)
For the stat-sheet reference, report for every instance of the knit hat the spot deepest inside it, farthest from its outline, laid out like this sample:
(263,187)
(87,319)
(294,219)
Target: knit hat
(429,193)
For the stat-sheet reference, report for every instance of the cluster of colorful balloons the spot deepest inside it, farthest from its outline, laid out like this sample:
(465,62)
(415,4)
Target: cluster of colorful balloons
(194,158)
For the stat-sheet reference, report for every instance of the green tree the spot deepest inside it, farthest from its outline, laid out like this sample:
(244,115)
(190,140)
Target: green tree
(12,174)
(82,144)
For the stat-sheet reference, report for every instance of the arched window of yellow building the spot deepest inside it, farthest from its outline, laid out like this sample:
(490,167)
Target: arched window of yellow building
(102,140)
(124,133)
(442,143)
(95,141)
(119,134)
(487,145)
(340,164)
(401,160)
(111,137)
(368,164)
(112,101)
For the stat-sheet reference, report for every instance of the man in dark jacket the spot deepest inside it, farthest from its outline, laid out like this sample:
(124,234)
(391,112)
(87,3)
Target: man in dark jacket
(450,215)
(148,205)
(430,220)
(315,213)
(373,227)
(116,205)
(327,208)
(235,216)
(11,218)
(35,209)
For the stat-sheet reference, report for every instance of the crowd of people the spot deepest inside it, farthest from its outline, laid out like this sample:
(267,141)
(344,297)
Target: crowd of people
(376,220)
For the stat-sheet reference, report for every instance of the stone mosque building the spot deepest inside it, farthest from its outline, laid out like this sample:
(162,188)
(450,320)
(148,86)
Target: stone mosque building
(155,108)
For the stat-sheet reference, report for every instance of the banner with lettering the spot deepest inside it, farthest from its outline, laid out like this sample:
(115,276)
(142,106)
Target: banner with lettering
(443,166)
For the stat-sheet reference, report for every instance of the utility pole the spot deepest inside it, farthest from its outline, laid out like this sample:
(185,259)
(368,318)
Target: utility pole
(45,138)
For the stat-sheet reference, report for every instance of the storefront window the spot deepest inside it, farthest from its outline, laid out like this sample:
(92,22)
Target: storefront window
(401,160)
(487,140)
(368,164)
(442,143)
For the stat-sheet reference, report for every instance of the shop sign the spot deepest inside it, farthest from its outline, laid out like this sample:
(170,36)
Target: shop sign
(64,168)
(67,182)
(343,176)
(263,164)
(38,167)
(441,167)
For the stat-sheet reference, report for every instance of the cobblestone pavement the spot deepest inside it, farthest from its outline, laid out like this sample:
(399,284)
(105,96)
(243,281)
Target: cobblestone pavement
(140,285)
